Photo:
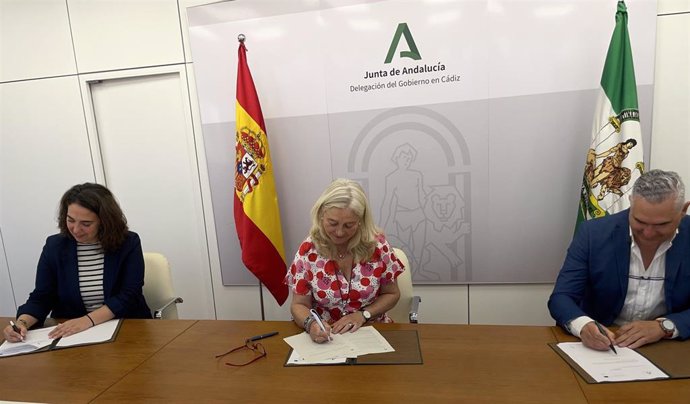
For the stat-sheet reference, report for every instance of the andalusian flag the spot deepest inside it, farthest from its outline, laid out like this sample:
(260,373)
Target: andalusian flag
(257,217)
(614,159)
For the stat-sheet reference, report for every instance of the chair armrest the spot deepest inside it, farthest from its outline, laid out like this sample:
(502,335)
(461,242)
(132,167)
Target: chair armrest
(414,311)
(158,314)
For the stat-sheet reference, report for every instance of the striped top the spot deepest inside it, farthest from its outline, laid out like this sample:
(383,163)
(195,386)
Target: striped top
(90,258)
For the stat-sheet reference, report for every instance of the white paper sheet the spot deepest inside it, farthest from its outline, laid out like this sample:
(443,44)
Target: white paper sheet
(606,366)
(364,341)
(38,338)
(296,359)
(99,333)
(368,340)
(34,340)
(313,352)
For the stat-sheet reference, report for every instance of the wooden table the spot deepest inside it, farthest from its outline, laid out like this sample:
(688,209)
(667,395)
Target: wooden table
(659,391)
(79,375)
(461,363)
(173,361)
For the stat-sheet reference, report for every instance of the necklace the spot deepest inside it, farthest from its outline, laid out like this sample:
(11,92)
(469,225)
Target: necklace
(343,303)
(340,273)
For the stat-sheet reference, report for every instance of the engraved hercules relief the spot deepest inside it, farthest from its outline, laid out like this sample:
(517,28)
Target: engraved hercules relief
(423,182)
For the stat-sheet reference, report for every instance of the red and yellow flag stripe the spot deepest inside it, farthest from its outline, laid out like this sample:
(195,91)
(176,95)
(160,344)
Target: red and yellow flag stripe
(257,214)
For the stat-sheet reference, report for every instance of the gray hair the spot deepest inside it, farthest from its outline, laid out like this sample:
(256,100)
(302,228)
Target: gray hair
(657,185)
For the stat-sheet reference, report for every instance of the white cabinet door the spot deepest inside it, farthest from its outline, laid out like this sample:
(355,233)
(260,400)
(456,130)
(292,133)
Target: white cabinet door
(8,306)
(140,122)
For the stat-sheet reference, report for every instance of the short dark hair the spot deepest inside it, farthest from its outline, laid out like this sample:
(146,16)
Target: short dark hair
(112,231)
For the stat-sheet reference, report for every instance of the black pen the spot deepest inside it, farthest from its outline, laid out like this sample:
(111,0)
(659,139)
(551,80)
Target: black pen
(16,329)
(262,336)
(601,330)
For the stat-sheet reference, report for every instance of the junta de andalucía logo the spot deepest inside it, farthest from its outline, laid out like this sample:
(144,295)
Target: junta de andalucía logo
(403,31)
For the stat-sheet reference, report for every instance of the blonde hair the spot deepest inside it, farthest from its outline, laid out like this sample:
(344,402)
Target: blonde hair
(344,194)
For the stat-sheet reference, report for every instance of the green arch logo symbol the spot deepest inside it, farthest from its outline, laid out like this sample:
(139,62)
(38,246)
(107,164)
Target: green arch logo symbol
(413,53)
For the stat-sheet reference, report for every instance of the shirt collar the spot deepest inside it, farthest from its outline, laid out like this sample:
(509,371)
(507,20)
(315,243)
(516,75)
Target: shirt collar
(666,244)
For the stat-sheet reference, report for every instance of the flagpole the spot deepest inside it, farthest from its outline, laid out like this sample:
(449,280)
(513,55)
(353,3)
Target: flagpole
(240,39)
(261,301)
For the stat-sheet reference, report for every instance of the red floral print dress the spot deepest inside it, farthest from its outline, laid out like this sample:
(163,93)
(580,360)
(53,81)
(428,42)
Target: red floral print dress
(332,295)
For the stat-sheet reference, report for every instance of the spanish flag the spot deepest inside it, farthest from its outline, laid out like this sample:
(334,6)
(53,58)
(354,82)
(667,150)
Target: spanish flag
(257,216)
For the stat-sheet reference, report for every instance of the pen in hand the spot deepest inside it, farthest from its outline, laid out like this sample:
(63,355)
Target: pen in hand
(17,330)
(317,318)
(262,336)
(601,330)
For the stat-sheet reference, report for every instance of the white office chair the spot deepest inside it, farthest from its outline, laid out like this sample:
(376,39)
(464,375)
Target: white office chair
(158,288)
(407,308)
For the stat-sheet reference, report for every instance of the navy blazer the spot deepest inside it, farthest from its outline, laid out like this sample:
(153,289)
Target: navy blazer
(594,278)
(57,281)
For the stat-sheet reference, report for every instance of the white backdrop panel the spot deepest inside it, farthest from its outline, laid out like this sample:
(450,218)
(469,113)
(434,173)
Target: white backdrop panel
(486,139)
(290,65)
(553,46)
(448,35)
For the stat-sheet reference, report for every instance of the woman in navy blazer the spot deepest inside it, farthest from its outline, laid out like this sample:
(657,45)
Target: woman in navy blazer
(89,217)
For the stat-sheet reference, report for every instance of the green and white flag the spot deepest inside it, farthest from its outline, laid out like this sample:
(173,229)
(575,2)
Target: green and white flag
(614,159)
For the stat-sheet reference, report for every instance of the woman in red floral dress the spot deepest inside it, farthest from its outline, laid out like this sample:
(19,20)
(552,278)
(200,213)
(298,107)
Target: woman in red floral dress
(345,269)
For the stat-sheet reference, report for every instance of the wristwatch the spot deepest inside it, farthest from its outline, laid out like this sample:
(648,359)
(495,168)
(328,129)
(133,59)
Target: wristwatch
(366,314)
(668,327)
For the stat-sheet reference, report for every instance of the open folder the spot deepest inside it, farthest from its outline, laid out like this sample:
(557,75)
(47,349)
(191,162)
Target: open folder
(405,350)
(38,341)
(666,359)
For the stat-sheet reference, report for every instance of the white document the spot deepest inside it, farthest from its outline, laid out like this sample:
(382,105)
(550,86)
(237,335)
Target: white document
(606,366)
(38,338)
(34,340)
(364,341)
(296,359)
(368,340)
(313,352)
(98,333)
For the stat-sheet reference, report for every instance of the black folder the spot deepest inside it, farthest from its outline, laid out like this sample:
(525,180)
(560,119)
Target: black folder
(670,356)
(54,345)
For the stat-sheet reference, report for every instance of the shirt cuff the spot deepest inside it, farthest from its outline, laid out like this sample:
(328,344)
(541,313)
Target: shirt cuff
(576,325)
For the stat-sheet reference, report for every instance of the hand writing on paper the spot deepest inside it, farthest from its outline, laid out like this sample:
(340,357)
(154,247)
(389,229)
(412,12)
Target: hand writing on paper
(317,334)
(592,338)
(638,333)
(11,335)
